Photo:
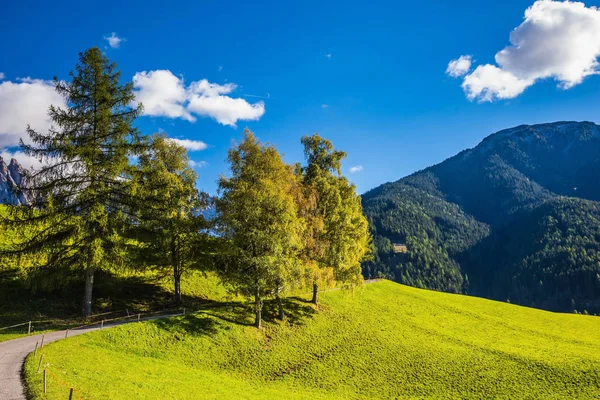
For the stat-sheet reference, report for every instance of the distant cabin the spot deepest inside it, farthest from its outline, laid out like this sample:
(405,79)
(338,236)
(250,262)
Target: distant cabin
(400,248)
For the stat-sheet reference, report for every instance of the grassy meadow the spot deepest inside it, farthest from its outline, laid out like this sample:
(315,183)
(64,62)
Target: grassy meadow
(136,292)
(383,340)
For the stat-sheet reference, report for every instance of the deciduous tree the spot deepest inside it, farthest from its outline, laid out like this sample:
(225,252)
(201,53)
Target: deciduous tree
(258,216)
(337,237)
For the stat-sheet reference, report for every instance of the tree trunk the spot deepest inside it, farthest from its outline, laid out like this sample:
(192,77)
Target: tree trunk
(87,296)
(280,305)
(315,293)
(258,309)
(176,273)
(177,280)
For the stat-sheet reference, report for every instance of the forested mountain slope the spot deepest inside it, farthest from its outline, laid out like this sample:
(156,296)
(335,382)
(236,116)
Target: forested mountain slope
(498,219)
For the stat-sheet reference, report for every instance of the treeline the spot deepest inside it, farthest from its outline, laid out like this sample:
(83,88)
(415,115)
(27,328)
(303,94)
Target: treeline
(108,197)
(548,258)
(433,230)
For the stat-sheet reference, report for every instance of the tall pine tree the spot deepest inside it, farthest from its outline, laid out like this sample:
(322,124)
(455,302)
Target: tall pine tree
(172,232)
(82,201)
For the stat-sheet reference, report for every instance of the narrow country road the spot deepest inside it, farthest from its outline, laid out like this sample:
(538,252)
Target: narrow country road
(13,353)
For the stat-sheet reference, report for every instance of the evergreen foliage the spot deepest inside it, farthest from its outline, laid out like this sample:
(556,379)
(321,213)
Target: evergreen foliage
(172,232)
(82,201)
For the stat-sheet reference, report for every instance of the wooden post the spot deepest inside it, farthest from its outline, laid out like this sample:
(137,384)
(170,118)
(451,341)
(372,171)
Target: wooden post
(138,317)
(102,325)
(40,364)
(71,394)
(35,351)
(183,310)
(29,330)
(127,309)
(42,344)
(66,333)
(45,386)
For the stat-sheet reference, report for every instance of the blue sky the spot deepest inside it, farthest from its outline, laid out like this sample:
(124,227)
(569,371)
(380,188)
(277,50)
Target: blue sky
(370,76)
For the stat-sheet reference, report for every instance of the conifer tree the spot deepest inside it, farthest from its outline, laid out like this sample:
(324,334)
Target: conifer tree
(258,216)
(81,199)
(172,232)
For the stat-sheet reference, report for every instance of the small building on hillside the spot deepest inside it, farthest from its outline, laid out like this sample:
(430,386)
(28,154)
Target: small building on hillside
(400,248)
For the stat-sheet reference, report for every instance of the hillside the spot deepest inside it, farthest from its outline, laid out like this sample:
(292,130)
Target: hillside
(383,341)
(467,221)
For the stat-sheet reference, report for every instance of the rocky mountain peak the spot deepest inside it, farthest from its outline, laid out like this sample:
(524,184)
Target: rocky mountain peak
(12,176)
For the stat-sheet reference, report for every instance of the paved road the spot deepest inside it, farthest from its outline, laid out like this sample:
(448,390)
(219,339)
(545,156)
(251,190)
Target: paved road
(13,353)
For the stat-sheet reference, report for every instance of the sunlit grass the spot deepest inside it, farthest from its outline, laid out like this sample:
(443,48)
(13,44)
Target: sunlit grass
(381,341)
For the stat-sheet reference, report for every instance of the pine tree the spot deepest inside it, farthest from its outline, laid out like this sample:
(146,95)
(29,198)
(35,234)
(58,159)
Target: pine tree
(82,201)
(258,216)
(172,232)
(337,238)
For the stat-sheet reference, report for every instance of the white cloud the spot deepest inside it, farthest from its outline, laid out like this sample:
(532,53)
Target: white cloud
(558,40)
(113,40)
(1,76)
(26,161)
(324,105)
(220,68)
(328,55)
(197,164)
(459,67)
(489,82)
(164,94)
(356,168)
(22,103)
(191,145)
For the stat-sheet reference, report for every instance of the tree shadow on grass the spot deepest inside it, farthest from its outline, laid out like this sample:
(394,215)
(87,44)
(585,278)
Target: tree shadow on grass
(123,295)
(191,324)
(213,316)
(297,311)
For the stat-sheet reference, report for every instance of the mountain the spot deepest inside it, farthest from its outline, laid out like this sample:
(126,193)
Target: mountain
(515,218)
(11,176)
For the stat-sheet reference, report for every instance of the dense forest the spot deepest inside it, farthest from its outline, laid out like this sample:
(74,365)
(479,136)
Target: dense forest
(514,219)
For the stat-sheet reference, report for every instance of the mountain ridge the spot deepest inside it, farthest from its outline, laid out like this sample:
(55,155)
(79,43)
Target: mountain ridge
(12,176)
(445,210)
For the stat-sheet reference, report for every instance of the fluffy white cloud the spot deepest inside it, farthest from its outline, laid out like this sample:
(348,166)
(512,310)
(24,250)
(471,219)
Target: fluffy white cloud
(328,55)
(113,40)
(1,76)
(356,168)
(22,103)
(192,145)
(558,40)
(489,82)
(226,110)
(459,67)
(164,94)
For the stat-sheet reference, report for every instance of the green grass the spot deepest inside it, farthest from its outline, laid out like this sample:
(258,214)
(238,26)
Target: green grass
(381,341)
(138,292)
